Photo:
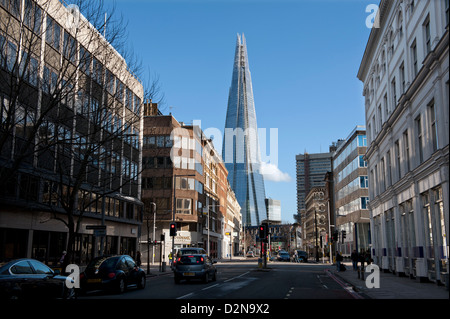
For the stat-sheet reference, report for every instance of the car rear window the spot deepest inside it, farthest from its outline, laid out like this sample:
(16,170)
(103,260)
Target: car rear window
(191,260)
(189,252)
(103,263)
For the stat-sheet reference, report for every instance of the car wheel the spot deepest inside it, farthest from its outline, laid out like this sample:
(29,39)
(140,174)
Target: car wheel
(142,282)
(206,278)
(177,280)
(214,278)
(121,286)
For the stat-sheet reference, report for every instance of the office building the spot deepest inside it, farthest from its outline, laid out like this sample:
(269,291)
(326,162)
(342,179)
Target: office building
(405,71)
(240,145)
(351,191)
(71,128)
(311,170)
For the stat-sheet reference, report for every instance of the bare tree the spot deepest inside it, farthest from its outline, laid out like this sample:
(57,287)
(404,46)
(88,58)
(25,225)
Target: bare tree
(70,108)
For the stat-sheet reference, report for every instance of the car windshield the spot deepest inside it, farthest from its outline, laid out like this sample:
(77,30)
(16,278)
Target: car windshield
(101,263)
(191,260)
(284,253)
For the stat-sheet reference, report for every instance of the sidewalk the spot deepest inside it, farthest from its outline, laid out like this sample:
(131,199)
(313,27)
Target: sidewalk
(391,286)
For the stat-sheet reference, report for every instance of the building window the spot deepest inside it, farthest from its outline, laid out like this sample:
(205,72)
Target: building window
(397,156)
(394,93)
(447,11)
(432,126)
(388,168)
(419,138)
(53,33)
(402,78)
(406,148)
(414,57)
(427,35)
(184,206)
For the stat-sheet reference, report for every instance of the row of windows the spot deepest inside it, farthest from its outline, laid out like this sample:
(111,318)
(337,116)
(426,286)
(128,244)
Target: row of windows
(359,141)
(408,152)
(400,78)
(31,188)
(55,35)
(361,182)
(160,141)
(353,206)
(358,162)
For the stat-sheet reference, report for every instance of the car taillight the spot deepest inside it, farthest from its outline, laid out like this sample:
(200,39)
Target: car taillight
(81,276)
(111,275)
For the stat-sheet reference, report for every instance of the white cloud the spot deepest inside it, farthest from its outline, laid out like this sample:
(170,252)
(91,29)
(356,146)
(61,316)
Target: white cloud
(272,173)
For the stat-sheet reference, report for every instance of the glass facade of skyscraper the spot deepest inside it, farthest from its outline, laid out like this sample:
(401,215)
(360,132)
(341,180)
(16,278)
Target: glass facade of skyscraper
(240,148)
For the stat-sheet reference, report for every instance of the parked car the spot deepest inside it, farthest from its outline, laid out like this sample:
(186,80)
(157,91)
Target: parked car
(112,273)
(29,278)
(250,254)
(196,266)
(283,256)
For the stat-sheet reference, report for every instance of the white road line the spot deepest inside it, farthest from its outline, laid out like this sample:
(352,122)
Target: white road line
(237,276)
(210,287)
(185,296)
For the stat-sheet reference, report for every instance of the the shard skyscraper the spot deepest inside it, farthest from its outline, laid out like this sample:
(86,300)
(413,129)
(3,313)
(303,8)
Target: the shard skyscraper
(240,146)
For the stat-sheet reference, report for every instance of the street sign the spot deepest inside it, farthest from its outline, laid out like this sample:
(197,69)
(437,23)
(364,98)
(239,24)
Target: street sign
(96,227)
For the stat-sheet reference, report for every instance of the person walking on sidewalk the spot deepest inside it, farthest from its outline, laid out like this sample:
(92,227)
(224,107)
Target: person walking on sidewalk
(362,259)
(339,259)
(355,258)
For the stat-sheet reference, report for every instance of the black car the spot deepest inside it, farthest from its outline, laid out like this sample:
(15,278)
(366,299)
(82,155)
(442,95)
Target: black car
(112,273)
(29,278)
(195,266)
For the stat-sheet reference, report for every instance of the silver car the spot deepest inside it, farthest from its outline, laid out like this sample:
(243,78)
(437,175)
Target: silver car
(195,266)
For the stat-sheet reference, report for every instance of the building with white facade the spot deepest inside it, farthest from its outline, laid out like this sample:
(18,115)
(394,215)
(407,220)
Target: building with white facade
(406,87)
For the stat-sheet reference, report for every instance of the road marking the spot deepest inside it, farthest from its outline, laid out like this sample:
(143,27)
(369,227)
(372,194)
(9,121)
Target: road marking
(237,276)
(210,287)
(185,296)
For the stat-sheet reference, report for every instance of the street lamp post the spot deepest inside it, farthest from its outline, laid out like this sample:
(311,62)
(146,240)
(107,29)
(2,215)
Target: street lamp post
(148,235)
(207,208)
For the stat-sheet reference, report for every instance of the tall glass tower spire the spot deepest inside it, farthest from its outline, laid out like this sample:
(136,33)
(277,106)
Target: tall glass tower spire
(240,146)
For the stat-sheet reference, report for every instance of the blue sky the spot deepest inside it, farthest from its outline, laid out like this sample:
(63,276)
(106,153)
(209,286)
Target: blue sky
(303,55)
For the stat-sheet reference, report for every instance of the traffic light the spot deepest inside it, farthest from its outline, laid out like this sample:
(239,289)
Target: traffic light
(163,237)
(263,232)
(344,235)
(173,229)
(335,236)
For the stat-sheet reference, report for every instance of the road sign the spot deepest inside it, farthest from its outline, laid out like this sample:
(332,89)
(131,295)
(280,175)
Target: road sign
(96,227)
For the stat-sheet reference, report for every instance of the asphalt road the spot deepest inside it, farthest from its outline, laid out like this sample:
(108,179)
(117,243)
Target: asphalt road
(242,280)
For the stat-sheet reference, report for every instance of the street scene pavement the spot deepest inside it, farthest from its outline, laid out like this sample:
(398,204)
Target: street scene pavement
(390,286)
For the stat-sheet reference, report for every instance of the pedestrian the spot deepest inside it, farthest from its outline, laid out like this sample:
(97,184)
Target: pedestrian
(339,259)
(138,258)
(355,258)
(61,260)
(362,259)
(170,259)
(295,256)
